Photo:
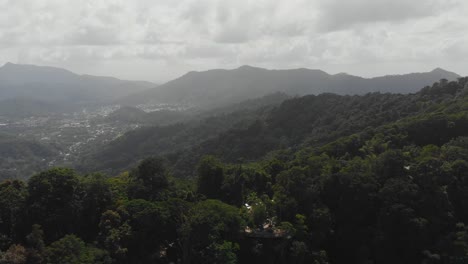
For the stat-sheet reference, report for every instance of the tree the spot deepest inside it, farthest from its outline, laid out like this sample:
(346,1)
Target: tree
(36,245)
(403,232)
(458,189)
(97,199)
(114,235)
(210,177)
(12,203)
(151,230)
(225,252)
(72,250)
(389,164)
(16,254)
(299,251)
(54,202)
(210,222)
(294,193)
(149,179)
(353,189)
(274,167)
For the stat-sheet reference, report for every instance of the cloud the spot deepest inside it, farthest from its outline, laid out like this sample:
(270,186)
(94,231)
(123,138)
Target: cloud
(355,36)
(93,36)
(337,15)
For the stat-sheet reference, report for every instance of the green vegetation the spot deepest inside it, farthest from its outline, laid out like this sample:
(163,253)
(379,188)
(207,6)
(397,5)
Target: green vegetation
(20,158)
(251,133)
(320,179)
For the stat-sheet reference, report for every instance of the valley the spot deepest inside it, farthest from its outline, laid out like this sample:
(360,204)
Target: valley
(333,177)
(70,135)
(234,132)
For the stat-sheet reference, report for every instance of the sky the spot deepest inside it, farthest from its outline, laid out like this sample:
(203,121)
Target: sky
(159,40)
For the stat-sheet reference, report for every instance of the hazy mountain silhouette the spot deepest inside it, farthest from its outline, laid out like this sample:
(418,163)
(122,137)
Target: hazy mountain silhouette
(213,88)
(51,84)
(219,87)
(24,107)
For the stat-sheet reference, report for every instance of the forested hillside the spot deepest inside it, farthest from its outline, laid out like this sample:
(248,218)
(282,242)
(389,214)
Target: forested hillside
(378,178)
(249,134)
(20,158)
(161,140)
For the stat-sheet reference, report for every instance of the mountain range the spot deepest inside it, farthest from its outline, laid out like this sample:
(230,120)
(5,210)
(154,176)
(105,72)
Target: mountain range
(208,89)
(214,88)
(284,178)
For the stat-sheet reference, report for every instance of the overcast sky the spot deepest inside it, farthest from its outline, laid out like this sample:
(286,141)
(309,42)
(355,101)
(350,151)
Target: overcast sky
(158,40)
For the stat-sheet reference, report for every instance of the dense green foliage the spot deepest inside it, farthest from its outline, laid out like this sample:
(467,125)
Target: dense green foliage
(20,158)
(251,133)
(177,138)
(375,179)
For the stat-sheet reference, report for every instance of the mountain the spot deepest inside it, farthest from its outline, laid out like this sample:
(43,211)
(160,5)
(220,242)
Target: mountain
(375,178)
(20,158)
(127,114)
(251,133)
(216,88)
(51,84)
(20,107)
(164,137)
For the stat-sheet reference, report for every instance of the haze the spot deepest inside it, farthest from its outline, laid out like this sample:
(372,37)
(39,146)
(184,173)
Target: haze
(161,40)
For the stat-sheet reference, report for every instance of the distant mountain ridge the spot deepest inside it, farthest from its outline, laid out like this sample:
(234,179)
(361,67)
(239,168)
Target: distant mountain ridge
(52,84)
(208,89)
(217,87)
(20,107)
